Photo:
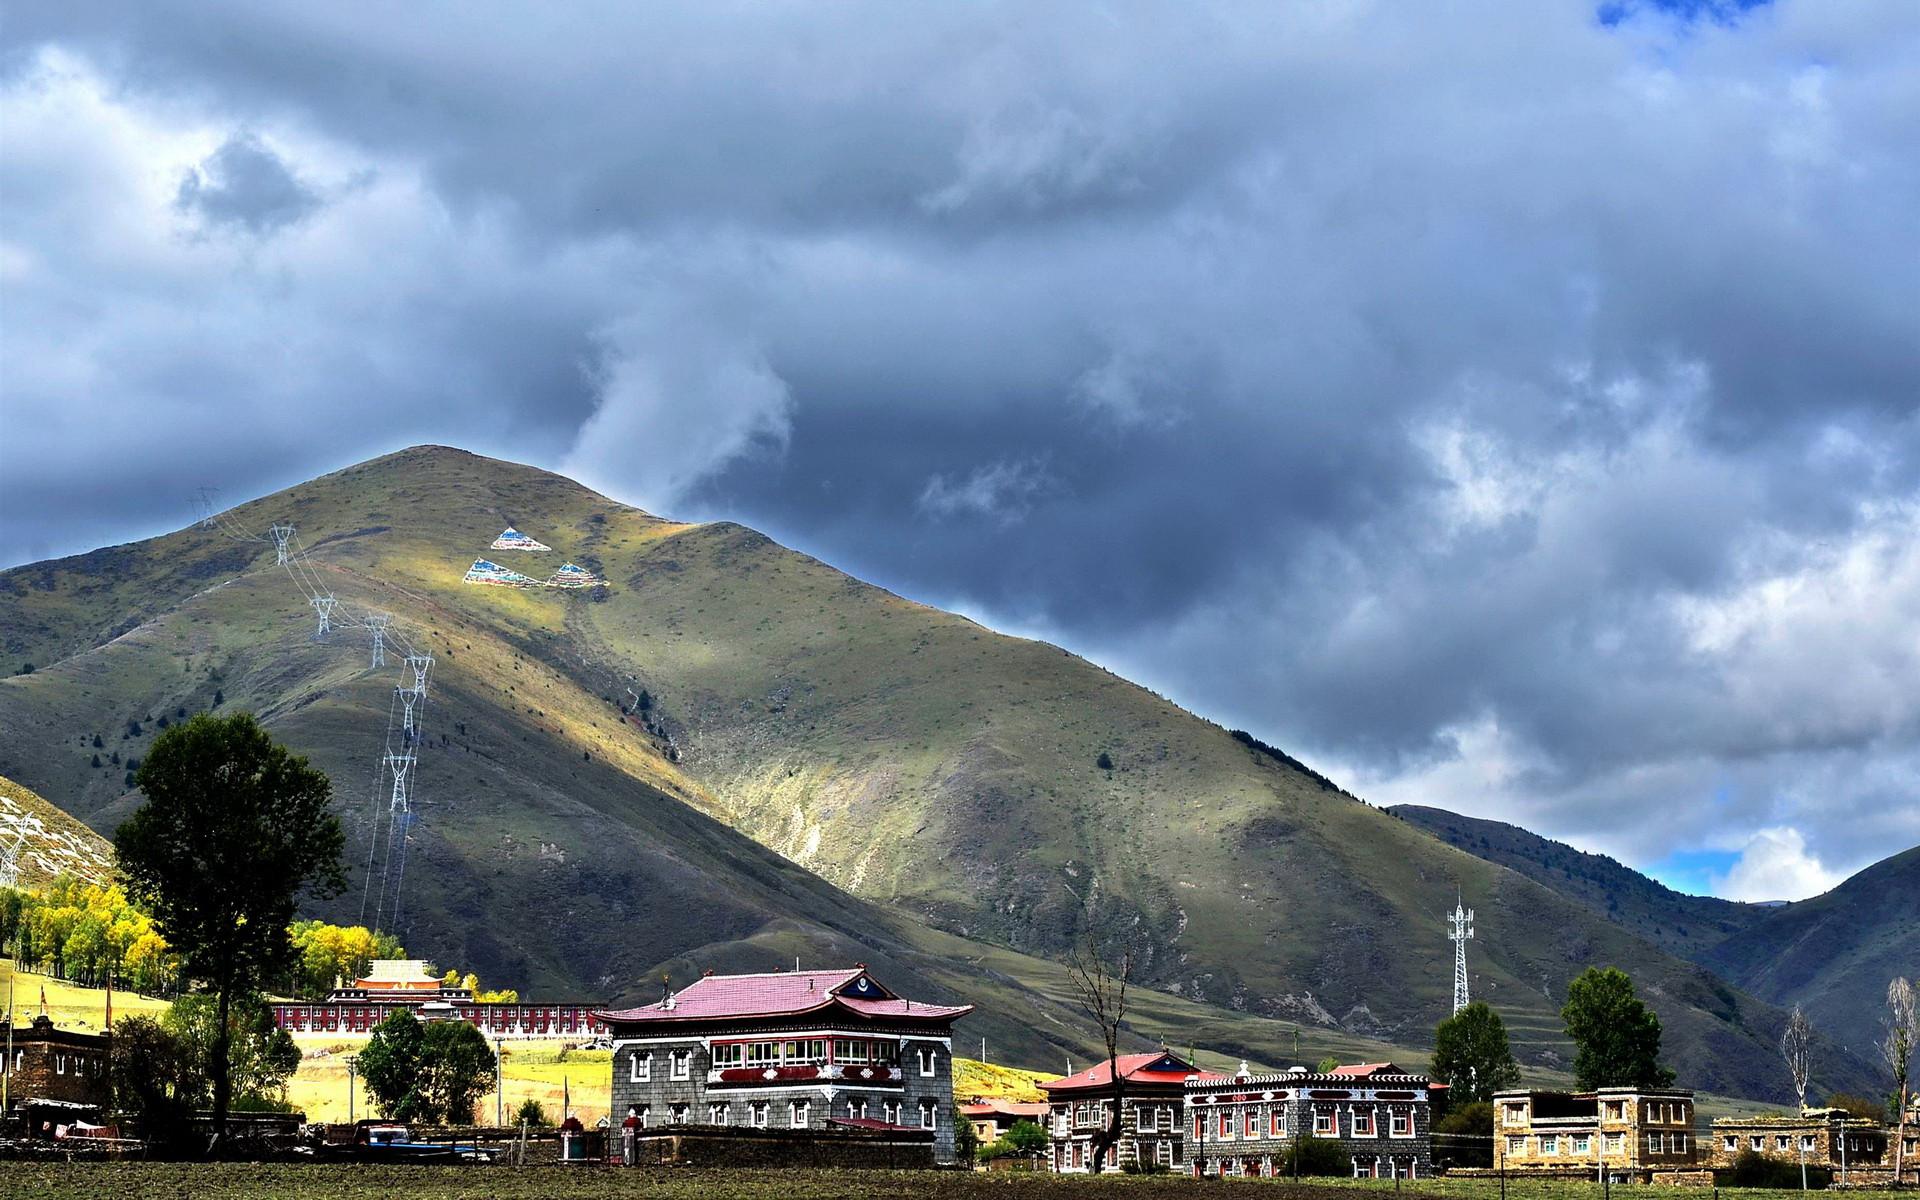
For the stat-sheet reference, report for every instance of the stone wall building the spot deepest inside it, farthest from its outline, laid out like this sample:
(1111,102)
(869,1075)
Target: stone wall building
(1152,1124)
(1627,1132)
(1380,1116)
(47,1063)
(1822,1137)
(803,1050)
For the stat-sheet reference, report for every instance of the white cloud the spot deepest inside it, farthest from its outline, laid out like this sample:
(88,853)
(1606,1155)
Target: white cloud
(1003,491)
(1775,865)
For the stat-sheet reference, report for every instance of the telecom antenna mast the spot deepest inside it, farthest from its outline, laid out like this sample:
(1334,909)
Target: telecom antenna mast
(378,622)
(322,608)
(281,535)
(1459,929)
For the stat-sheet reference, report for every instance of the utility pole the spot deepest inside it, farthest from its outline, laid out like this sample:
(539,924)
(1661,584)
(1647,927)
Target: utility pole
(353,1075)
(1459,929)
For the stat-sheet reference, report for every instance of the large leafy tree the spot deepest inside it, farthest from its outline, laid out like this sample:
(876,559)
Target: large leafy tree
(457,1065)
(234,829)
(153,1078)
(1472,1056)
(390,1067)
(1616,1038)
(260,1055)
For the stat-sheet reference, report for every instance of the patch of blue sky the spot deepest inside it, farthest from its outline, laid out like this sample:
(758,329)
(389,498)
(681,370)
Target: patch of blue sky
(1693,871)
(1720,12)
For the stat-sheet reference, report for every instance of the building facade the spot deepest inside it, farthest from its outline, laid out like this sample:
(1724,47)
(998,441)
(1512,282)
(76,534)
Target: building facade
(1380,1117)
(392,984)
(1626,1132)
(47,1063)
(1152,1125)
(1821,1137)
(803,1050)
(991,1119)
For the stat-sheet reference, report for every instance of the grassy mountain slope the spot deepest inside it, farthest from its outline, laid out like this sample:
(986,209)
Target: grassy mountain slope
(1835,953)
(1685,925)
(943,774)
(55,843)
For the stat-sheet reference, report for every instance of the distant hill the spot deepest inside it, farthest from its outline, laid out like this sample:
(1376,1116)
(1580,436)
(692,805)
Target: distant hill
(55,843)
(1678,923)
(1835,953)
(822,769)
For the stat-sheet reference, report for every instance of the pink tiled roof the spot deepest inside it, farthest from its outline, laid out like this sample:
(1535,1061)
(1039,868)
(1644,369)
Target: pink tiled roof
(1135,1068)
(1363,1069)
(784,993)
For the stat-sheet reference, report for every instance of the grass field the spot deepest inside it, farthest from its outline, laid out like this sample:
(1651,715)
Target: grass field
(241,1181)
(70,1006)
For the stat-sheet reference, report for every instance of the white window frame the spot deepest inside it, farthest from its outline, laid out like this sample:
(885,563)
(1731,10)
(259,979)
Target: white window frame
(719,1113)
(643,1112)
(640,1067)
(799,1114)
(758,1109)
(1332,1120)
(1549,1143)
(929,1114)
(890,1111)
(729,1055)
(929,1060)
(679,1064)
(1396,1119)
(677,1114)
(1370,1117)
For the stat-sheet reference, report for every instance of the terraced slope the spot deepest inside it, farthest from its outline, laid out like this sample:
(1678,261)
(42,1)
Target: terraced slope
(53,843)
(811,739)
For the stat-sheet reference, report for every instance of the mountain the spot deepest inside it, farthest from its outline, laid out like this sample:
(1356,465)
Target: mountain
(1684,925)
(1832,954)
(821,767)
(1835,953)
(47,841)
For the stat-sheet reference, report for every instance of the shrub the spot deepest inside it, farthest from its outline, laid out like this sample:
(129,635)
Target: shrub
(1104,762)
(1755,1170)
(531,1112)
(1314,1156)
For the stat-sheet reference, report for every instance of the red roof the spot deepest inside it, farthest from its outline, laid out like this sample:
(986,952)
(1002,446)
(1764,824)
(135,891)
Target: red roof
(1363,1069)
(1160,1067)
(784,993)
(1005,1108)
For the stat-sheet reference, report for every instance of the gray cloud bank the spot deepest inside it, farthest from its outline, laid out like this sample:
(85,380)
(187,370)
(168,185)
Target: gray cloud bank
(1500,408)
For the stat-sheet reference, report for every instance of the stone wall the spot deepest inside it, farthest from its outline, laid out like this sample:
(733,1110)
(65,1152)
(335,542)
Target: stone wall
(711,1146)
(55,1064)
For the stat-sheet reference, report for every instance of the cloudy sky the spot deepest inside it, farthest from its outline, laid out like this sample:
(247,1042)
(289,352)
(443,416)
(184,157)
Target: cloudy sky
(1504,406)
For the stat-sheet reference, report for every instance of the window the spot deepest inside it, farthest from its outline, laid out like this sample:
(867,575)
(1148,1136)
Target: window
(1400,1123)
(1550,1143)
(1780,1142)
(1515,1114)
(763,1054)
(717,1114)
(1756,1140)
(1516,1144)
(1731,1143)
(1677,1143)
(1616,1110)
(847,1050)
(1163,1153)
(640,1068)
(1657,1144)
(678,1114)
(1806,1142)
(759,1111)
(800,1114)
(729,1054)
(890,1111)
(1582,1144)
(679,1064)
(857,1109)
(1223,1127)
(929,1061)
(1250,1121)
(61,1064)
(1616,1142)
(1199,1125)
(886,1053)
(1362,1122)
(642,1113)
(1323,1123)
(928,1109)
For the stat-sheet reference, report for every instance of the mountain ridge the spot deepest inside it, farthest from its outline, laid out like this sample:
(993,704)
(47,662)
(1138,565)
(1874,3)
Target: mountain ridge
(934,779)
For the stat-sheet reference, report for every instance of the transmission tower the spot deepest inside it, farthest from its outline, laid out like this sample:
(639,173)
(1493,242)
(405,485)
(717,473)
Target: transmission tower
(378,622)
(1459,929)
(419,664)
(281,535)
(323,608)
(400,765)
(10,859)
(204,502)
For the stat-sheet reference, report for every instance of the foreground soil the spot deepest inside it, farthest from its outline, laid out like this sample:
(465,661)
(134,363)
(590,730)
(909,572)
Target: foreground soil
(249,1181)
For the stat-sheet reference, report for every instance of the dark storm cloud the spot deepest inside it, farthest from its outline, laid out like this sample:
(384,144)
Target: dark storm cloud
(1511,409)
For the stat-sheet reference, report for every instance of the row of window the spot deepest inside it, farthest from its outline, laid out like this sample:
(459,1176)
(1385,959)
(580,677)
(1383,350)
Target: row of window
(798,1052)
(1781,1141)
(81,1064)
(1657,1112)
(1364,1167)
(1581,1144)
(799,1113)
(1255,1120)
(1147,1118)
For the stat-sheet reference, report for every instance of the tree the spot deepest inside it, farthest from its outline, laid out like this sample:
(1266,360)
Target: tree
(390,1066)
(456,1067)
(1796,1046)
(1616,1038)
(260,1056)
(1104,762)
(966,1139)
(1864,1107)
(531,1113)
(1472,1056)
(1327,1065)
(233,830)
(1903,1031)
(153,1079)
(1102,989)
(1465,1134)
(1026,1137)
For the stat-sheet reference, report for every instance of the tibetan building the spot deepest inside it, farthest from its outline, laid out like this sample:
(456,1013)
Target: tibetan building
(1627,1132)
(1380,1117)
(1828,1138)
(790,1051)
(1153,1087)
(396,983)
(52,1065)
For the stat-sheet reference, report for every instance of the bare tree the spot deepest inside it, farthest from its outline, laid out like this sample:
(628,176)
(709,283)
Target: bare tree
(1101,985)
(1903,1031)
(1796,1046)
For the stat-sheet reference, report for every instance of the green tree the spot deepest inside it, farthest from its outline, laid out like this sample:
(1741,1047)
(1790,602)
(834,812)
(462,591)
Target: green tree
(1616,1038)
(456,1066)
(966,1139)
(233,830)
(153,1078)
(260,1056)
(1471,1055)
(390,1066)
(1026,1137)
(1328,1065)
(1464,1137)
(531,1113)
